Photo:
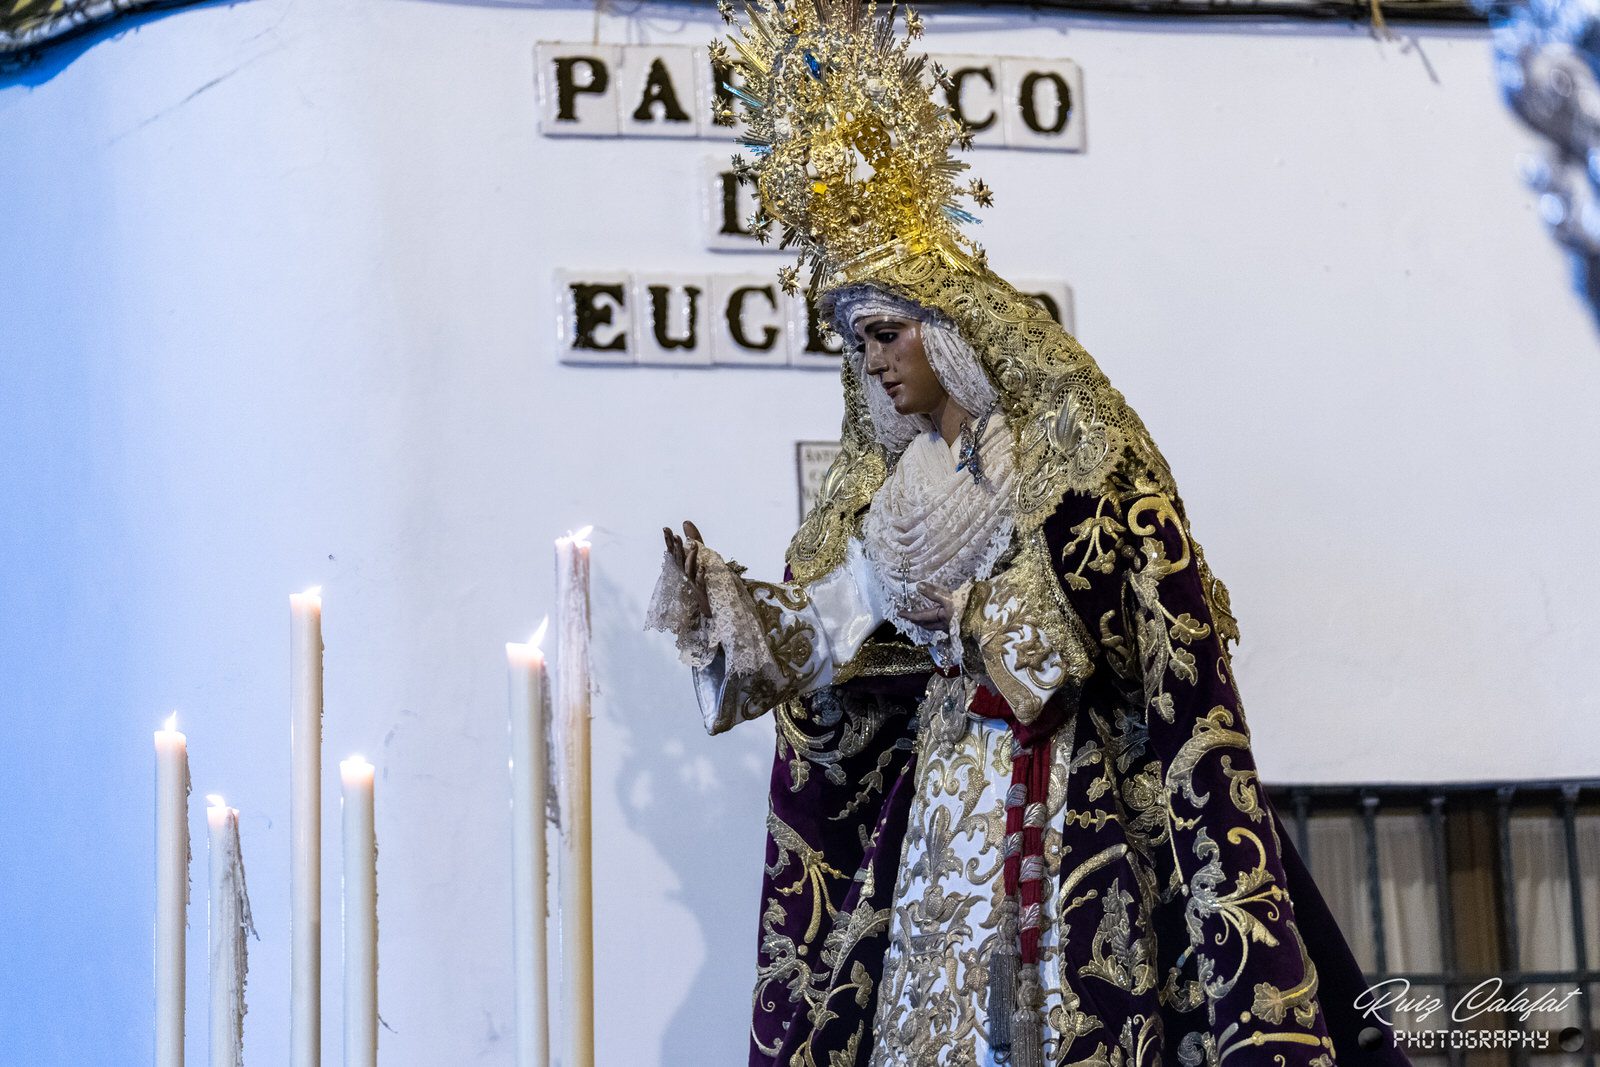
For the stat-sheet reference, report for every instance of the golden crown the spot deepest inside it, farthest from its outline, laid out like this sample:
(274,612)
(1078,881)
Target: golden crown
(850,154)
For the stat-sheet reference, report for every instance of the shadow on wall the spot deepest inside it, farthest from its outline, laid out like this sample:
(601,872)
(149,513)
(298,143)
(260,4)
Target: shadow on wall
(76,804)
(691,796)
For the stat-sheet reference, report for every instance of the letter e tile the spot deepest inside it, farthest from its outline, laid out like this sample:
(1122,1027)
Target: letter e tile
(594,317)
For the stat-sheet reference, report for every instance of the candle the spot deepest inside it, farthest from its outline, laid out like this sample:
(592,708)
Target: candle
(229,923)
(305,829)
(530,786)
(572,700)
(360,916)
(172,889)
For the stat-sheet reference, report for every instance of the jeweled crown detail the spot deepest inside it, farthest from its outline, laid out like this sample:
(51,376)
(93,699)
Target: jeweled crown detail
(851,155)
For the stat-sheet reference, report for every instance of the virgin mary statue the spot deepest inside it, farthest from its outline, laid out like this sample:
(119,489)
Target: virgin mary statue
(1014,814)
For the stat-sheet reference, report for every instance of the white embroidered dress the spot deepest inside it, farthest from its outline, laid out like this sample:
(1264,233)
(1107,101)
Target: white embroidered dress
(932,522)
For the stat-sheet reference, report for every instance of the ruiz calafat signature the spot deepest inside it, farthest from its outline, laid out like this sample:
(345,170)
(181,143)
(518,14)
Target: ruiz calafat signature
(1488,997)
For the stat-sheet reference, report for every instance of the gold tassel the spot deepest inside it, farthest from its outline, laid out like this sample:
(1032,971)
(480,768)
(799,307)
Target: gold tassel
(1003,981)
(1027,1022)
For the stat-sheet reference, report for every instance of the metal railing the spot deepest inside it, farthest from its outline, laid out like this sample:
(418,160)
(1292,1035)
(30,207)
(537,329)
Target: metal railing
(1470,854)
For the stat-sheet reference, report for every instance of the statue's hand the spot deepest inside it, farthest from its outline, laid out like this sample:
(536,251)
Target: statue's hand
(936,617)
(685,552)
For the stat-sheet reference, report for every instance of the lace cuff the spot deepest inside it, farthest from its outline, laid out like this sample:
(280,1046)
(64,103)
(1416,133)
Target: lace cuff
(763,644)
(732,628)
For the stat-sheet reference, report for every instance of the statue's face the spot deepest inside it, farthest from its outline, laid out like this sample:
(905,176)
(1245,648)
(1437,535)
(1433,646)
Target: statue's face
(895,356)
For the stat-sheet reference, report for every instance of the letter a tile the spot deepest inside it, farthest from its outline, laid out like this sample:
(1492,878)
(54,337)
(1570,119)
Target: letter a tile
(657,96)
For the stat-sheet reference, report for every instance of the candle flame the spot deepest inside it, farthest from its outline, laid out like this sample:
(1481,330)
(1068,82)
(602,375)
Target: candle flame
(215,801)
(579,537)
(171,723)
(356,771)
(531,652)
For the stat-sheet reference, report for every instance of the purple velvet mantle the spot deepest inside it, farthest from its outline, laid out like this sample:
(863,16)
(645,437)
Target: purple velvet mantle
(1217,902)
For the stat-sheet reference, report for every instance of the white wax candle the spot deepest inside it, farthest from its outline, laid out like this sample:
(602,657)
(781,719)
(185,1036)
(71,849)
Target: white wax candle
(229,922)
(360,916)
(305,829)
(577,890)
(172,889)
(529,865)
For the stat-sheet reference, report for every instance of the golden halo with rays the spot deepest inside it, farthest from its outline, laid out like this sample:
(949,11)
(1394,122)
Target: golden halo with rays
(851,156)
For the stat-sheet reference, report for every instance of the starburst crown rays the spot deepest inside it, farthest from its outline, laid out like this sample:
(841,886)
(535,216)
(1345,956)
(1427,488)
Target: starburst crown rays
(849,152)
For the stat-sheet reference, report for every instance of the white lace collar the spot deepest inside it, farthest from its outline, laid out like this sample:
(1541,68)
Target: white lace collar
(930,522)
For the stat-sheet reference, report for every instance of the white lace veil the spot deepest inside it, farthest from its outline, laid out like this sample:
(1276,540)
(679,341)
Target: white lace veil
(952,359)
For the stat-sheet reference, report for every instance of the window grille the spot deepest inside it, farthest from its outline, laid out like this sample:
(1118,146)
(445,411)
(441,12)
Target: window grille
(1450,886)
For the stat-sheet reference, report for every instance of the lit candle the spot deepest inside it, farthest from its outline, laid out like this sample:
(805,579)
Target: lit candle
(529,866)
(305,829)
(360,916)
(577,891)
(172,889)
(229,923)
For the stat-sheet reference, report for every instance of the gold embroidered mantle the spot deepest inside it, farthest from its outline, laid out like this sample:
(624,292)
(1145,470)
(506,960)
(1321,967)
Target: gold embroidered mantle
(1177,935)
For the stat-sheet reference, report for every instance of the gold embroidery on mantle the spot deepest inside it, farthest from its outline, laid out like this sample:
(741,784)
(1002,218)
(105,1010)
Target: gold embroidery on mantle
(1183,827)
(1031,640)
(837,727)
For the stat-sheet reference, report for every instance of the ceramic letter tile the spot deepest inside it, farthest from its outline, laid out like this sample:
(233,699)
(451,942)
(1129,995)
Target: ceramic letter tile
(711,91)
(726,207)
(809,345)
(672,326)
(594,317)
(974,96)
(748,322)
(1056,297)
(578,89)
(658,91)
(1043,103)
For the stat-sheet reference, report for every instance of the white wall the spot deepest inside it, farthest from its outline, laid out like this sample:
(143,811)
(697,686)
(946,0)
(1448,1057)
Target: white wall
(274,311)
